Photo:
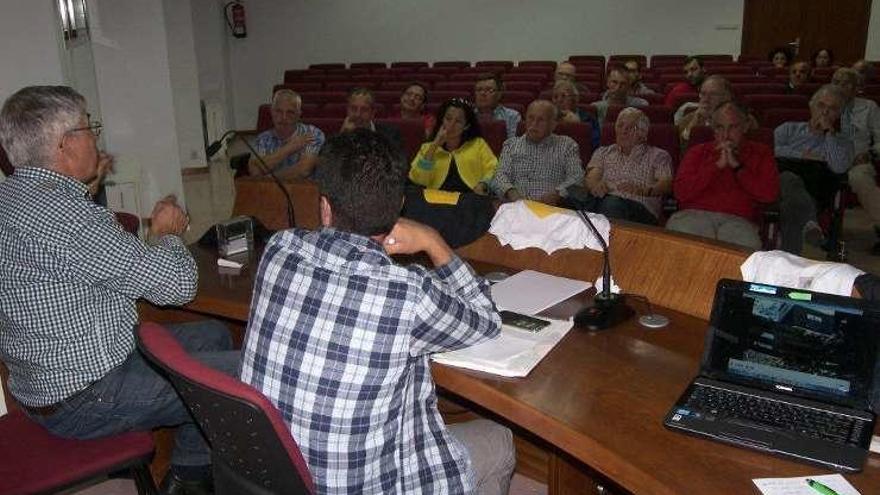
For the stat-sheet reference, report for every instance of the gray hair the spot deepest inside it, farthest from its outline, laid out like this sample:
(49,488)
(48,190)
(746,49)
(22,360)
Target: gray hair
(851,74)
(567,84)
(829,89)
(33,121)
(286,94)
(547,104)
(725,84)
(643,123)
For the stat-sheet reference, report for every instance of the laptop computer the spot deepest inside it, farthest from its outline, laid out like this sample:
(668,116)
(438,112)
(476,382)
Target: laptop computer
(786,371)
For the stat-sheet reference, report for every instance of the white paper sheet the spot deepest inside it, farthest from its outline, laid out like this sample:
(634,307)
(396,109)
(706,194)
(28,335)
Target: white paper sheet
(514,353)
(799,486)
(530,292)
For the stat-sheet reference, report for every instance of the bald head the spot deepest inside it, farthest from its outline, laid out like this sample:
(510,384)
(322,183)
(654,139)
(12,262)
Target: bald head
(566,71)
(540,120)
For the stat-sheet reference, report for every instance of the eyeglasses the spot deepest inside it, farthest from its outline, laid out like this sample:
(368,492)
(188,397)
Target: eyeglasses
(93,126)
(486,90)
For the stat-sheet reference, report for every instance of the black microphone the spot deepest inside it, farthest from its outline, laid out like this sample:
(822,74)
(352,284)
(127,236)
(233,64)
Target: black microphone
(214,147)
(608,308)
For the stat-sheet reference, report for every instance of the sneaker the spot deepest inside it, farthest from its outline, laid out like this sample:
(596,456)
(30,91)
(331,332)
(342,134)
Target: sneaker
(813,234)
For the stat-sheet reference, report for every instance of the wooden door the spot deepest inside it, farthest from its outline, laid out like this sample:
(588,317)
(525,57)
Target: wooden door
(841,25)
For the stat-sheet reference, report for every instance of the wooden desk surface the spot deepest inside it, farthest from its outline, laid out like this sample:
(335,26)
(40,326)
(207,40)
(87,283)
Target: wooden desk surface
(600,397)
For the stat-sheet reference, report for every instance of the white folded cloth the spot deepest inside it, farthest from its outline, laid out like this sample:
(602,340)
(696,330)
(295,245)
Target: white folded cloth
(787,270)
(524,224)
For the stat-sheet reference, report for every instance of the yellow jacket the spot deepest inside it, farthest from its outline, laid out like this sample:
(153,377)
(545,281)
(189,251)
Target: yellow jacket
(475,160)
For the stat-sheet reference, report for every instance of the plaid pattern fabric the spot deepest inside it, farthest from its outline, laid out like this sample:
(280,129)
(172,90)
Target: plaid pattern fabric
(339,339)
(267,142)
(644,166)
(69,278)
(510,117)
(536,169)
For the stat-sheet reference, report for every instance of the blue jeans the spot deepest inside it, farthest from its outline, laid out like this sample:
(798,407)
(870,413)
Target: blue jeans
(135,397)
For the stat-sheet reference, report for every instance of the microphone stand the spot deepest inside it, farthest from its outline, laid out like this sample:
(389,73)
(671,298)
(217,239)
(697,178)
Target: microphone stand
(214,147)
(608,308)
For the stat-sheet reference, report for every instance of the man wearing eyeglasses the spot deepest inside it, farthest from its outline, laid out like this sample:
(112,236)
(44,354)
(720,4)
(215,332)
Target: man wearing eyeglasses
(71,277)
(487,96)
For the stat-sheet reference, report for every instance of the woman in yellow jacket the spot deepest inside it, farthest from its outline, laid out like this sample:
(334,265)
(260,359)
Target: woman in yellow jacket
(458,159)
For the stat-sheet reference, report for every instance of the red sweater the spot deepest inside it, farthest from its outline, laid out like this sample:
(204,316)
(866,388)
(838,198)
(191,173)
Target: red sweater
(701,185)
(679,89)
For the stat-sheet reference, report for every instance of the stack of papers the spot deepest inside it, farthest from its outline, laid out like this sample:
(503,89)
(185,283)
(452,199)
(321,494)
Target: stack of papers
(516,352)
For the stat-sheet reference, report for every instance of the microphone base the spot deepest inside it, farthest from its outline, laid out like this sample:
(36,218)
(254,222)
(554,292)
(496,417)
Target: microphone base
(604,313)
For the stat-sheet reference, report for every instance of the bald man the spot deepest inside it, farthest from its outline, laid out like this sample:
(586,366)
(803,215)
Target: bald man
(538,165)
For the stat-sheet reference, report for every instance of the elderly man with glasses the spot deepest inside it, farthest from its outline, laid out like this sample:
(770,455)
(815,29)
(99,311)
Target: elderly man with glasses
(71,279)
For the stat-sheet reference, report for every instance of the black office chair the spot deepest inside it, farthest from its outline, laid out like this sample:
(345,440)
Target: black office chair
(252,450)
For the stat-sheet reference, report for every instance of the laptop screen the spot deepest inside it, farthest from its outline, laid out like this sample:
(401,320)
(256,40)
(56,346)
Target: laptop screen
(792,341)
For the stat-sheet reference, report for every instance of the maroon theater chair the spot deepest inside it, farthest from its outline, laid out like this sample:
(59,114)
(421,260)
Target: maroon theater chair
(36,461)
(252,450)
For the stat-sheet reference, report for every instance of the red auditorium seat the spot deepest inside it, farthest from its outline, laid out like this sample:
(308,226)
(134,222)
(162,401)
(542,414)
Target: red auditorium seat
(704,134)
(427,77)
(324,96)
(715,58)
(743,89)
(537,63)
(531,86)
(412,134)
(368,65)
(587,59)
(682,98)
(506,64)
(349,85)
(460,86)
(395,85)
(656,114)
(525,76)
(340,110)
(445,95)
(773,117)
(386,97)
(532,69)
(299,86)
(726,70)
(654,99)
(373,78)
(452,63)
(329,126)
(327,66)
(521,97)
(446,71)
(663,136)
(761,103)
(296,75)
(620,59)
(668,60)
(345,72)
(494,132)
(5,166)
(464,76)
(409,65)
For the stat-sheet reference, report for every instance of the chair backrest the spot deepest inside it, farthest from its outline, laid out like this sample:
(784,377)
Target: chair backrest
(704,134)
(773,117)
(5,165)
(494,132)
(412,135)
(252,449)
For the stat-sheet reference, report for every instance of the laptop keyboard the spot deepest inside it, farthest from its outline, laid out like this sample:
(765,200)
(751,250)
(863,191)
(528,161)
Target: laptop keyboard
(727,405)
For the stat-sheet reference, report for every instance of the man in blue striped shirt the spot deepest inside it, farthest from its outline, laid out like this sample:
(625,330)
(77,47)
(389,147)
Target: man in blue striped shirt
(339,337)
(69,280)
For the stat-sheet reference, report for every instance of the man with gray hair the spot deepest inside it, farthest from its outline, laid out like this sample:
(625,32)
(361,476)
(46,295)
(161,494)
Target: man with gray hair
(860,120)
(714,91)
(802,186)
(290,148)
(618,94)
(71,279)
(720,185)
(628,179)
(538,165)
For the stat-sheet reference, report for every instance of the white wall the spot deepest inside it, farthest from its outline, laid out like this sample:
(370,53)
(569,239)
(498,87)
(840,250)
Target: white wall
(290,34)
(183,71)
(872,50)
(130,45)
(30,47)
(212,55)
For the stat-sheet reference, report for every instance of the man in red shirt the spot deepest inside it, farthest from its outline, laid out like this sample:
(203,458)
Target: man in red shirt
(694,73)
(720,185)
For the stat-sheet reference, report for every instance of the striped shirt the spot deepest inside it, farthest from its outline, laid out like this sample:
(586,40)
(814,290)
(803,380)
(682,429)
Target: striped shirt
(69,279)
(644,166)
(268,142)
(536,169)
(797,140)
(339,339)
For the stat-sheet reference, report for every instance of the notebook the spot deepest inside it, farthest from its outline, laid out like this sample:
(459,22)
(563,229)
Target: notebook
(786,371)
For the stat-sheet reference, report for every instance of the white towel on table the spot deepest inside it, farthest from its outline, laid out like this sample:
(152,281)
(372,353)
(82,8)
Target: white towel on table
(524,224)
(787,270)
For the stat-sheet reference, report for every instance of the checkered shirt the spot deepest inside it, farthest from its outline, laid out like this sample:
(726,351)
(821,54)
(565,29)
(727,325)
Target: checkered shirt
(644,166)
(268,142)
(339,339)
(510,117)
(69,279)
(536,169)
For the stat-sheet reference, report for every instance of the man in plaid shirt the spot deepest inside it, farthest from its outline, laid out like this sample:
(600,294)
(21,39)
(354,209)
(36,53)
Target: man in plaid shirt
(69,280)
(339,337)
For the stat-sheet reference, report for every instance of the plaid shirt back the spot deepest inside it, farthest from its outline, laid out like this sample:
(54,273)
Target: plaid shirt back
(69,279)
(339,339)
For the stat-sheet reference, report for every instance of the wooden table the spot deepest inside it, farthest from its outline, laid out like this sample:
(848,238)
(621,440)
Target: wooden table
(599,398)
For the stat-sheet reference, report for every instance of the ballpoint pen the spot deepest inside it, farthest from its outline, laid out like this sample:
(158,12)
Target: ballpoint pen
(820,488)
